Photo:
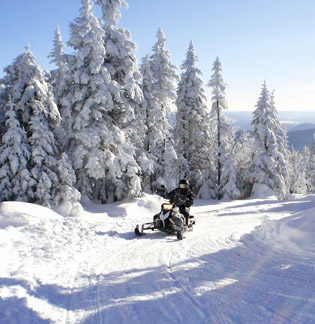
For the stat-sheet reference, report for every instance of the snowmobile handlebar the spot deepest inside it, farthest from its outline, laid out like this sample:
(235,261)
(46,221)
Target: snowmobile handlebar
(178,201)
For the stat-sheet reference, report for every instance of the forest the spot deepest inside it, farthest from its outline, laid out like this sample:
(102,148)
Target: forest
(98,126)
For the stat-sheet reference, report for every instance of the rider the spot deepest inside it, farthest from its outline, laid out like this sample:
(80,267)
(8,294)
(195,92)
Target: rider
(182,197)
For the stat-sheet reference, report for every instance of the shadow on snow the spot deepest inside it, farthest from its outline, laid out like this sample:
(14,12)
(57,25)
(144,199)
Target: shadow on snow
(248,283)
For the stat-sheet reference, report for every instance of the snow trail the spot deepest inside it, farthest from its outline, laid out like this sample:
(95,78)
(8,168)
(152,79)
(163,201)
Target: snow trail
(250,261)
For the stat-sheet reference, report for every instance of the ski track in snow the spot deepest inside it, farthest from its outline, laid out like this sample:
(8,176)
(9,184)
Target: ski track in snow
(243,263)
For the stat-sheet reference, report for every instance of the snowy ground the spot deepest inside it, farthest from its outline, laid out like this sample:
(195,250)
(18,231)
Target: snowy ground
(250,261)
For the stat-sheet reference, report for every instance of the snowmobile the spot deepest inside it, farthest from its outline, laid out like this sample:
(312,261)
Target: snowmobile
(168,220)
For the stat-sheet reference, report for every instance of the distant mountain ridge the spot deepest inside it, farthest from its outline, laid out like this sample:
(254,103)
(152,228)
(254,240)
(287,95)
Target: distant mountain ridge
(297,139)
(304,126)
(301,138)
(300,125)
(289,119)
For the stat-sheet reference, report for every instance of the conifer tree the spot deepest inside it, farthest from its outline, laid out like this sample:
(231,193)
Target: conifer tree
(308,161)
(230,183)
(192,131)
(164,73)
(163,93)
(15,179)
(44,157)
(243,153)
(148,130)
(67,197)
(161,159)
(37,114)
(298,172)
(58,81)
(121,63)
(60,59)
(102,156)
(282,144)
(268,166)
(219,122)
(23,79)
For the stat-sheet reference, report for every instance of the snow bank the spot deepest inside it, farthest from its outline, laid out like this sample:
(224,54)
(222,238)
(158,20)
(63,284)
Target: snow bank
(68,208)
(293,234)
(262,191)
(19,213)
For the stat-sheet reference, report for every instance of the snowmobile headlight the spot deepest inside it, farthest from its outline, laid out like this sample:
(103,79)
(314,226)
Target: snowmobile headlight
(167,206)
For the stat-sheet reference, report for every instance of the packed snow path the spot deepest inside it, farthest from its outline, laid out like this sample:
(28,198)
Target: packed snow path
(250,261)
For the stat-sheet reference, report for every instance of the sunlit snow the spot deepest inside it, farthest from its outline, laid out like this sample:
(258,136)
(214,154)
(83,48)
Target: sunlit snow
(247,261)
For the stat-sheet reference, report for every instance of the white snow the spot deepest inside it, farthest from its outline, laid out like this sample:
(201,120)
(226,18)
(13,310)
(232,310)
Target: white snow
(247,261)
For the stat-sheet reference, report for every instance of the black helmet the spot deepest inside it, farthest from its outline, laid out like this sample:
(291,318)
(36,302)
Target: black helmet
(183,184)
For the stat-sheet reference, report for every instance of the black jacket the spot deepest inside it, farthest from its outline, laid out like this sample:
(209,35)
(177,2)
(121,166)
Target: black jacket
(181,197)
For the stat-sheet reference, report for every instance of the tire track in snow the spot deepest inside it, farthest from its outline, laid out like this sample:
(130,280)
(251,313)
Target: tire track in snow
(71,295)
(84,300)
(165,258)
(159,290)
(186,288)
(207,242)
(200,245)
(107,298)
(79,277)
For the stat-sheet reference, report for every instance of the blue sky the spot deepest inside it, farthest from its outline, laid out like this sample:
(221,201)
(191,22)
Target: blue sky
(256,40)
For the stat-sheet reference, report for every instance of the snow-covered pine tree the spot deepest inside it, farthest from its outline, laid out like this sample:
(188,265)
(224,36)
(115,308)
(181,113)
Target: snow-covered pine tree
(60,59)
(192,131)
(148,131)
(38,115)
(268,165)
(282,143)
(33,102)
(164,73)
(221,125)
(298,172)
(67,197)
(101,154)
(121,63)
(15,179)
(230,183)
(58,81)
(243,153)
(308,160)
(163,94)
(44,156)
